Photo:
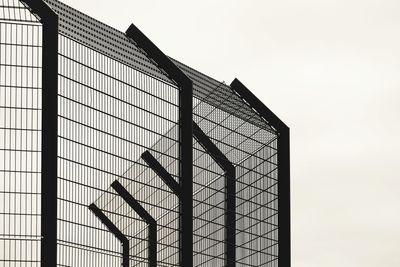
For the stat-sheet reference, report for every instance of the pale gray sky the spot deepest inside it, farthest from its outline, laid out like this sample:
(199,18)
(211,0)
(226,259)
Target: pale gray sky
(331,71)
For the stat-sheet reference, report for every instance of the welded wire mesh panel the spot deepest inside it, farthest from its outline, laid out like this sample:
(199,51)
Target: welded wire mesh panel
(257,208)
(16,11)
(103,38)
(156,197)
(20,135)
(252,150)
(113,105)
(159,202)
(133,227)
(218,94)
(109,113)
(208,209)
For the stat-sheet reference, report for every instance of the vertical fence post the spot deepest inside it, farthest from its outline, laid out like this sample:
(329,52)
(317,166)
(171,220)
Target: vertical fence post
(185,137)
(49,20)
(284,256)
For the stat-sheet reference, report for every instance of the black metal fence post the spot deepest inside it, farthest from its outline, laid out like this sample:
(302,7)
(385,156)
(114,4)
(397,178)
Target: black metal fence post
(49,19)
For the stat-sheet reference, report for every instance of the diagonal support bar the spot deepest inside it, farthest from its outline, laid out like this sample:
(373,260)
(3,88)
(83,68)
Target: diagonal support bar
(211,148)
(113,229)
(162,61)
(160,171)
(230,187)
(257,105)
(135,205)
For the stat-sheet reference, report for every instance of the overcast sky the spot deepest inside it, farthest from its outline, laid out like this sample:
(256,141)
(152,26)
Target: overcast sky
(331,71)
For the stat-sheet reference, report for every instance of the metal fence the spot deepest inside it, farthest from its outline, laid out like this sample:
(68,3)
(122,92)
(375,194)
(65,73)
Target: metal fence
(118,188)
(20,135)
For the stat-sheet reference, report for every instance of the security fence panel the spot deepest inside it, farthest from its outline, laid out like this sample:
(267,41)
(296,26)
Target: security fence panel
(20,135)
(114,154)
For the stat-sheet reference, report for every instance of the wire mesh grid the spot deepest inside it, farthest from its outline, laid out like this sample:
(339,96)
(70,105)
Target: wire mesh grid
(112,108)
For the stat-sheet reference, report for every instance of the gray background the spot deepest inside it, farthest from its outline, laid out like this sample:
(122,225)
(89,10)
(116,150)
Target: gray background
(331,71)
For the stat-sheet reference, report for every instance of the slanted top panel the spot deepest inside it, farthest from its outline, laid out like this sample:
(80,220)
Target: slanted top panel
(218,94)
(14,10)
(102,38)
(115,44)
